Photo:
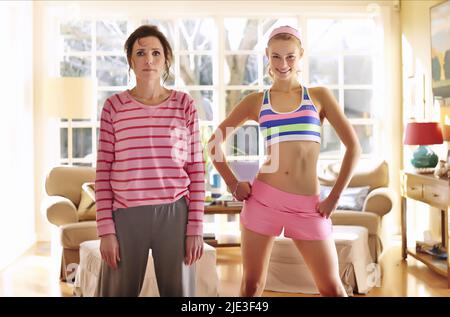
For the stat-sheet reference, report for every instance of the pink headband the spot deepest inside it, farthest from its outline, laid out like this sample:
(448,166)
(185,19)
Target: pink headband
(285,29)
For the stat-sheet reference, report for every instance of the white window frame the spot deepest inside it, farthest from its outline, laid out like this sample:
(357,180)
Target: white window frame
(308,11)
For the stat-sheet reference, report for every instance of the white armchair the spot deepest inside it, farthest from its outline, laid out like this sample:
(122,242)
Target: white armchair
(378,202)
(63,187)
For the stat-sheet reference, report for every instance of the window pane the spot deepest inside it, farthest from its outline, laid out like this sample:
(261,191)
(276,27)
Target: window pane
(101,98)
(166,27)
(76,36)
(112,70)
(82,142)
(243,142)
(77,44)
(358,34)
(240,33)
(269,24)
(330,145)
(365,137)
(75,66)
(323,70)
(203,103)
(197,34)
(358,103)
(324,35)
(233,97)
(78,28)
(357,70)
(196,69)
(111,35)
(83,164)
(63,143)
(234,66)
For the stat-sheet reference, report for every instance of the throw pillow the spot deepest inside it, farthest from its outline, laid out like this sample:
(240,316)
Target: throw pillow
(352,198)
(86,208)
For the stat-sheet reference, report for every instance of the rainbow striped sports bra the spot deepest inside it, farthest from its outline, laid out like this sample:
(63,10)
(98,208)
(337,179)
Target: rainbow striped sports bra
(302,124)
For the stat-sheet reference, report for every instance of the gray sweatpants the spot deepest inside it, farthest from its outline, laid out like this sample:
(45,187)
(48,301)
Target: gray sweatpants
(161,228)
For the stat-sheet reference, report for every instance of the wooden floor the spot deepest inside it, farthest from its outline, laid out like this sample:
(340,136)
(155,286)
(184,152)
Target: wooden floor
(32,275)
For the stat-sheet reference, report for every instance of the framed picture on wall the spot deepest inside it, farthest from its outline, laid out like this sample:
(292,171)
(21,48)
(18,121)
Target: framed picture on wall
(440,49)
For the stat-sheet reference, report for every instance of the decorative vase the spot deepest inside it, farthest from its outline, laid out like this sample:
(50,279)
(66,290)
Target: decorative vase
(424,157)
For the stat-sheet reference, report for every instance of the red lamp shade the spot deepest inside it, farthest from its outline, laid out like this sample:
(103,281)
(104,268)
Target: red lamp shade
(423,133)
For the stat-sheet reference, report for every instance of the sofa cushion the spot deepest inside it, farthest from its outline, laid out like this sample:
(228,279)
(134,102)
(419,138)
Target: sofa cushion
(86,208)
(352,198)
(73,234)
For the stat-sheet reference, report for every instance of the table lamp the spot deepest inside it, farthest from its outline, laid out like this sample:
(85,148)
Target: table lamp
(69,98)
(423,134)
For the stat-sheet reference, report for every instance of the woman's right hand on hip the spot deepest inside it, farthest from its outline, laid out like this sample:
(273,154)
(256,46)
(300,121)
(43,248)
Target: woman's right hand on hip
(243,191)
(109,249)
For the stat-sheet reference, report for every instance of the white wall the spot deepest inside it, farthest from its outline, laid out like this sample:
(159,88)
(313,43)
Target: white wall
(17,219)
(46,134)
(416,72)
(390,126)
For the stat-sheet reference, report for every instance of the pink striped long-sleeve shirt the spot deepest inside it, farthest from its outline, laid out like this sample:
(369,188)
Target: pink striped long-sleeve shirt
(149,155)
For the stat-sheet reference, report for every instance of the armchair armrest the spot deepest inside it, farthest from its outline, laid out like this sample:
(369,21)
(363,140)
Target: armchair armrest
(379,201)
(60,210)
(368,220)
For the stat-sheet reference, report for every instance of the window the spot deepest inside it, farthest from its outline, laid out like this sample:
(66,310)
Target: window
(342,56)
(91,48)
(219,59)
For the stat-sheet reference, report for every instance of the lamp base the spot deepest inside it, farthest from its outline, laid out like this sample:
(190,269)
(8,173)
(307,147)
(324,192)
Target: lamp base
(424,157)
(424,170)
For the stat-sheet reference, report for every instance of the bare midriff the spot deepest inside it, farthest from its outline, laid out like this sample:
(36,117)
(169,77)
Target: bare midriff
(291,166)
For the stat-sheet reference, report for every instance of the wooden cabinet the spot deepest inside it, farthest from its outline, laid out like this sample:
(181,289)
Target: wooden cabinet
(434,192)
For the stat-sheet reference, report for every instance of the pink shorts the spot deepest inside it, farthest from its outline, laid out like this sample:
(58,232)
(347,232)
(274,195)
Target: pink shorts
(268,210)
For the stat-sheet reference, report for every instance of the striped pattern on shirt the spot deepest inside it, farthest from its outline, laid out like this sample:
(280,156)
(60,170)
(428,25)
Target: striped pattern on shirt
(149,155)
(302,124)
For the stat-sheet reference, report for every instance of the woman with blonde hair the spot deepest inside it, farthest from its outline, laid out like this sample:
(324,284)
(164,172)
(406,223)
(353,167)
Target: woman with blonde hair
(285,193)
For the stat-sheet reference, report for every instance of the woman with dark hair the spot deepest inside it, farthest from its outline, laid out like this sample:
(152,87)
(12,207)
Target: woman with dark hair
(149,183)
